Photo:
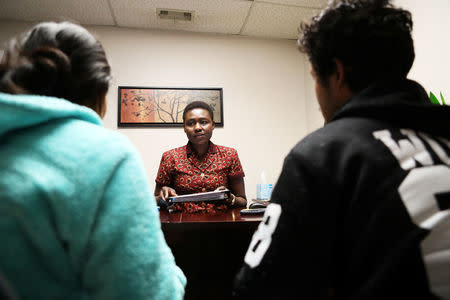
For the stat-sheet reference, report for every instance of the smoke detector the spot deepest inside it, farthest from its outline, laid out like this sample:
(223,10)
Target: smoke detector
(174,14)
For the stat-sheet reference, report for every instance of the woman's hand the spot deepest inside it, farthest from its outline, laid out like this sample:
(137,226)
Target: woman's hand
(220,188)
(231,201)
(166,192)
(237,193)
(162,193)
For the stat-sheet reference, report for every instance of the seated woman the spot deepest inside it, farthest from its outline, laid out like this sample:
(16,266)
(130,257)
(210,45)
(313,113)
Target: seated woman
(200,166)
(73,224)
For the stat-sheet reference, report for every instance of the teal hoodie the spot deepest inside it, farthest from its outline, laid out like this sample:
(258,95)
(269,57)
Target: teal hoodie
(77,216)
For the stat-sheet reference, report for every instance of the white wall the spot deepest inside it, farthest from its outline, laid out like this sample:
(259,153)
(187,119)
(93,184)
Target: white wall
(432,44)
(263,85)
(262,81)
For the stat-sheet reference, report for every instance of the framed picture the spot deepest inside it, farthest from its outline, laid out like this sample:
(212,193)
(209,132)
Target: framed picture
(163,107)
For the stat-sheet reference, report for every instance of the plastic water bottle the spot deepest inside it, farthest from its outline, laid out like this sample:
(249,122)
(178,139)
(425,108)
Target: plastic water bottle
(263,189)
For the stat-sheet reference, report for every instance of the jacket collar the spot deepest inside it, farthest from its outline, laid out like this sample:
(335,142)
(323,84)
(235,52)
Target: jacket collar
(401,103)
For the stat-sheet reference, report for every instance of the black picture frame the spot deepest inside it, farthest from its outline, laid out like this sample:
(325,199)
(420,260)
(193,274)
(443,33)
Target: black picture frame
(163,106)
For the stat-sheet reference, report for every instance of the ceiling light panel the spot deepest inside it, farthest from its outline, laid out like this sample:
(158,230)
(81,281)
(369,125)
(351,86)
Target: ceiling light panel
(217,16)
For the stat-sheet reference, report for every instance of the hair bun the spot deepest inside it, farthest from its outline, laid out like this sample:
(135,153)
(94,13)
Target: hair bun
(50,70)
(57,59)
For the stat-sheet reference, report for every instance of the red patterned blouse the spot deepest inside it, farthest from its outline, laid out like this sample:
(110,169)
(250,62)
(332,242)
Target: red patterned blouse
(181,169)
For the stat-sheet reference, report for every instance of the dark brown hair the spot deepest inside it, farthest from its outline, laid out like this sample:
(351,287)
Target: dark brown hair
(57,59)
(372,38)
(198,104)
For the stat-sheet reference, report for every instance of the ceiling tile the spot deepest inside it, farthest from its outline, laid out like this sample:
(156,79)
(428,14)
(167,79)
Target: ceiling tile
(276,21)
(87,12)
(259,18)
(216,16)
(301,3)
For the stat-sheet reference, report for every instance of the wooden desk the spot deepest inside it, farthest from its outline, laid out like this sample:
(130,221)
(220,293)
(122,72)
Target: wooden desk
(209,248)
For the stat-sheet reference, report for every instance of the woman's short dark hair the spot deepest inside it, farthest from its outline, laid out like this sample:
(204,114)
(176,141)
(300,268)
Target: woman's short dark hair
(60,60)
(198,104)
(371,38)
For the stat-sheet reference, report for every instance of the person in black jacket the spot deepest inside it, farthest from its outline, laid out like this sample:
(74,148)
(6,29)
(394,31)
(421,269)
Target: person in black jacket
(361,208)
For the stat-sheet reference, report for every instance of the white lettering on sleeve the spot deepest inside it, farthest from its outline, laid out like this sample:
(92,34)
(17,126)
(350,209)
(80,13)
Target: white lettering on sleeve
(405,152)
(440,152)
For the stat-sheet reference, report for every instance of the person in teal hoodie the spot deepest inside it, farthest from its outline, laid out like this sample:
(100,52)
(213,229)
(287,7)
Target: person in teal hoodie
(78,219)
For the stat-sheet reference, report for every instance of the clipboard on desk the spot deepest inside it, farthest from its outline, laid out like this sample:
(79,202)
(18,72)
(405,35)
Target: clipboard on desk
(200,197)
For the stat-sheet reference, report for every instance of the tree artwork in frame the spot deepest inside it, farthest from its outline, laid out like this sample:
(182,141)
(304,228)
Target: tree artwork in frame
(163,107)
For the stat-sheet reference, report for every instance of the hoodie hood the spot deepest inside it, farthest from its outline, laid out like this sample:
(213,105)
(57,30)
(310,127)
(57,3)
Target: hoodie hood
(402,103)
(21,111)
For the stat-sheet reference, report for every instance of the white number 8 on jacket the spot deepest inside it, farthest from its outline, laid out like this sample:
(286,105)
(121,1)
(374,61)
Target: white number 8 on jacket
(263,236)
